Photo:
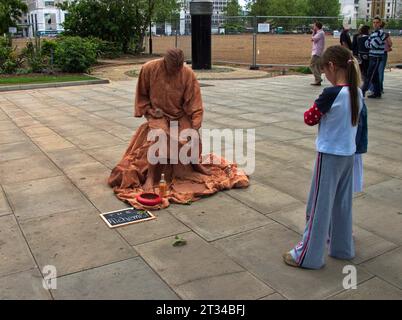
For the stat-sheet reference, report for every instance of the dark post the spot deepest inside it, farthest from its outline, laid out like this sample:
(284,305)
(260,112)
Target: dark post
(254,63)
(201,12)
(150,37)
(150,27)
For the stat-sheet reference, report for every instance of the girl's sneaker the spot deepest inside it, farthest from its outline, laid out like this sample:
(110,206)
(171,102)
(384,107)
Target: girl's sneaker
(288,259)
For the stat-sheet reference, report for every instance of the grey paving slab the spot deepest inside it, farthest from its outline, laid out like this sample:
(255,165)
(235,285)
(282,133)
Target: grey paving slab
(74,128)
(52,142)
(294,181)
(112,114)
(219,216)
(74,241)
(6,125)
(369,245)
(14,252)
(131,280)
(50,120)
(297,126)
(27,169)
(389,191)
(26,122)
(13,136)
(19,150)
(286,154)
(274,296)
(25,285)
(37,130)
(391,150)
(121,132)
(271,132)
(130,122)
(373,289)
(387,267)
(235,286)
(235,123)
(163,226)
(378,217)
(261,251)
(205,273)
(93,140)
(109,156)
(67,159)
(373,177)
(4,207)
(44,197)
(263,198)
(390,167)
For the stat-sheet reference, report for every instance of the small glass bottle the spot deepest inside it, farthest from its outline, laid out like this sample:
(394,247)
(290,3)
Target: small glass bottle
(162,186)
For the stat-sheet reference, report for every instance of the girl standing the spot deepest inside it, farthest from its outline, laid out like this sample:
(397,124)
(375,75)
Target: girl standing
(329,207)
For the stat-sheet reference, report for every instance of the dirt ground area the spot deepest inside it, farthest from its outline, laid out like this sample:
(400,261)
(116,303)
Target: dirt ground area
(119,71)
(271,49)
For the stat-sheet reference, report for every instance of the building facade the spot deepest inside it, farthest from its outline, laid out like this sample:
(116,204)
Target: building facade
(218,15)
(43,18)
(368,9)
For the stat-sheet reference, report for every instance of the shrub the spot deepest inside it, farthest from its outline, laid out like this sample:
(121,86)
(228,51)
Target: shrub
(34,58)
(106,49)
(75,54)
(48,46)
(9,60)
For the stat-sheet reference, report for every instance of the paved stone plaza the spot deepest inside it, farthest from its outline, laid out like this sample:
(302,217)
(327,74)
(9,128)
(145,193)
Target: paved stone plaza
(57,147)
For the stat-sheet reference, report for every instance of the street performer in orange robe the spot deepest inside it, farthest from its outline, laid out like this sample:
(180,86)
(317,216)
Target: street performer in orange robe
(168,95)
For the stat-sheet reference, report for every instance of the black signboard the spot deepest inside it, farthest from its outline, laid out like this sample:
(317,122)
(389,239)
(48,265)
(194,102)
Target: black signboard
(126,216)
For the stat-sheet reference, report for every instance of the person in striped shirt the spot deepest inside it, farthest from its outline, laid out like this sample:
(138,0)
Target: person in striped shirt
(376,44)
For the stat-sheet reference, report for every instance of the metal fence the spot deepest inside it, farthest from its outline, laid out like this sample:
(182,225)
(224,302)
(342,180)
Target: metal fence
(251,40)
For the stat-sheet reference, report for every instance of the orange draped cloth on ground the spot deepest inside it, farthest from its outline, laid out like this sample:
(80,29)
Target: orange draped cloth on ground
(162,97)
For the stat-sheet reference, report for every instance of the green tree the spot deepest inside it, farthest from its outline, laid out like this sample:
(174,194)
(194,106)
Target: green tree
(323,8)
(277,7)
(393,24)
(232,12)
(10,13)
(233,8)
(121,21)
(280,8)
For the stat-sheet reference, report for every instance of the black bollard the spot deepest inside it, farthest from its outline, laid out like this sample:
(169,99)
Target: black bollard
(201,12)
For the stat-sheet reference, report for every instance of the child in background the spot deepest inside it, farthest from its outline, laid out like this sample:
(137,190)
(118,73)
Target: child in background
(330,202)
(361,147)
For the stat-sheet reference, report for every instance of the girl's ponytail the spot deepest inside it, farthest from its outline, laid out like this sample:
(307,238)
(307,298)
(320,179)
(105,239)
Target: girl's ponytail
(354,84)
(342,58)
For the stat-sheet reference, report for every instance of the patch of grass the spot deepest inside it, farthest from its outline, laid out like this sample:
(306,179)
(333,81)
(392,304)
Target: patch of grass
(38,78)
(132,73)
(215,70)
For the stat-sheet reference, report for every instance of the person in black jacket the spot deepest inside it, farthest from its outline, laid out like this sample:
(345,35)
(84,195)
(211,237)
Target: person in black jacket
(361,147)
(345,39)
(362,51)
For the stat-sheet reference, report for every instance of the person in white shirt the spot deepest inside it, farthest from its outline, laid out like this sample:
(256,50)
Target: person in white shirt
(318,40)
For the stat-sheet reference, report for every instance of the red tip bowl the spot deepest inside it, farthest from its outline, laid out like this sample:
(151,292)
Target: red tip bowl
(149,199)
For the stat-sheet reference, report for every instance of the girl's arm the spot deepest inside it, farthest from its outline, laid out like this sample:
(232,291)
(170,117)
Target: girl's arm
(312,116)
(321,106)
